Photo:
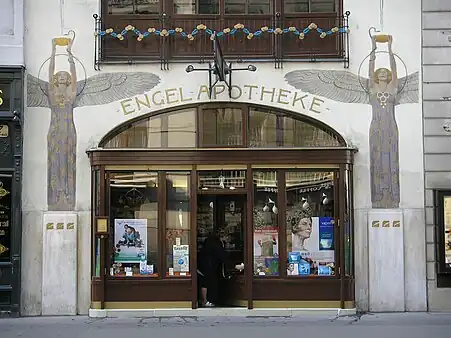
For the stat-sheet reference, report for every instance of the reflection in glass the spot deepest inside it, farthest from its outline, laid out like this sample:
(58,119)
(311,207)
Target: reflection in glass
(172,130)
(189,6)
(270,129)
(310,223)
(248,6)
(134,223)
(313,6)
(222,127)
(224,179)
(147,6)
(120,6)
(265,224)
(177,224)
(447,217)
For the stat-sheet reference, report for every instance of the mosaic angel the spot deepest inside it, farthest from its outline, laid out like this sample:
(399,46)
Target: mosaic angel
(62,94)
(383,91)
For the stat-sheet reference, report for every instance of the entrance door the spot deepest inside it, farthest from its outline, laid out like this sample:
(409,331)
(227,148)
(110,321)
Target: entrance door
(225,215)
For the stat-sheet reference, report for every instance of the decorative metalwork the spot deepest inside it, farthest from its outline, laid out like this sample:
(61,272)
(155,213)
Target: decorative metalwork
(277,28)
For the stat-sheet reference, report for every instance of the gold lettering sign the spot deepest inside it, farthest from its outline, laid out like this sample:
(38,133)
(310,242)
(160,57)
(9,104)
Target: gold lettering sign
(254,93)
(396,224)
(1,97)
(59,226)
(386,224)
(70,226)
(375,224)
(4,131)
(102,225)
(49,226)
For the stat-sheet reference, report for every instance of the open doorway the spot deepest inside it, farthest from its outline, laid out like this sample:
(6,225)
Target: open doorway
(224,216)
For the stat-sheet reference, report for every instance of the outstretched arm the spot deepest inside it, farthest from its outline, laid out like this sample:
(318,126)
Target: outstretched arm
(372,64)
(394,71)
(52,62)
(73,72)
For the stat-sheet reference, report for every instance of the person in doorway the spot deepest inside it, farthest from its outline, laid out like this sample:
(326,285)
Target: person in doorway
(212,260)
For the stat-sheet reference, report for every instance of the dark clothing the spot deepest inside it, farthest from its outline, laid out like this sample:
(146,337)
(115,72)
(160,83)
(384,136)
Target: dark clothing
(212,259)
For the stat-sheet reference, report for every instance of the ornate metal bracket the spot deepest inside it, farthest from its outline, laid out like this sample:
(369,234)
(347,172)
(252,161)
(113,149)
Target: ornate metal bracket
(220,68)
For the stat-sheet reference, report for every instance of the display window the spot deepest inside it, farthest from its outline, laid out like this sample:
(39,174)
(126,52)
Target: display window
(177,234)
(134,224)
(265,224)
(310,223)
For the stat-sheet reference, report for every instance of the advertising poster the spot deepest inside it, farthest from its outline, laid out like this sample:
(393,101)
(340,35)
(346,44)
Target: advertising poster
(266,251)
(312,250)
(130,239)
(180,258)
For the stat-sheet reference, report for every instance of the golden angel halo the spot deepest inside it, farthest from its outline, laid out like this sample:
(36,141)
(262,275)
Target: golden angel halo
(3,191)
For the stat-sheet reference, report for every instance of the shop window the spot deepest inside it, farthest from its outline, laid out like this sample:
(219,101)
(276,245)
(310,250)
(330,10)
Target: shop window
(269,129)
(312,6)
(196,6)
(265,224)
(221,180)
(443,235)
(310,223)
(134,222)
(177,224)
(95,213)
(172,130)
(221,127)
(248,6)
(134,6)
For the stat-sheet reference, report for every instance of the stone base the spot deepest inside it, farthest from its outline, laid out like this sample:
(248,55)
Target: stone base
(221,312)
(59,264)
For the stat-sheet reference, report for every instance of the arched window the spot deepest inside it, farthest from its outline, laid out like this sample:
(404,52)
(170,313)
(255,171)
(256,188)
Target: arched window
(214,125)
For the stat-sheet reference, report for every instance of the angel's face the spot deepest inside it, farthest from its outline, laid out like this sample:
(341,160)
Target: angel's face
(62,78)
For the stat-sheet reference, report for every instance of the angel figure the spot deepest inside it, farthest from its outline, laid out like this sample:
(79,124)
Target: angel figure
(62,94)
(383,91)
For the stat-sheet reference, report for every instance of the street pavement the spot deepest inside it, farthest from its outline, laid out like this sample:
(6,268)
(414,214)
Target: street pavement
(411,325)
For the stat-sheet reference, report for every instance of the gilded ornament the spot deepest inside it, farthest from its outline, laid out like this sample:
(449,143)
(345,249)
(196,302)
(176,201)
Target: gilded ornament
(201,27)
(323,35)
(164,32)
(151,30)
(292,29)
(179,29)
(278,31)
(250,36)
(264,29)
(3,249)
(313,26)
(301,36)
(190,37)
(120,37)
(335,29)
(3,191)
(238,26)
(129,28)
(226,30)
(109,30)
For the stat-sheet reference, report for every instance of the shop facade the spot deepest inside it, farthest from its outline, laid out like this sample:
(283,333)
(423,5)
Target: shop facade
(11,115)
(303,169)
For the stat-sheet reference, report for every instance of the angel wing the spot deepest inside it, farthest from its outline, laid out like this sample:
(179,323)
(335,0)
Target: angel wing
(337,85)
(109,87)
(36,95)
(408,88)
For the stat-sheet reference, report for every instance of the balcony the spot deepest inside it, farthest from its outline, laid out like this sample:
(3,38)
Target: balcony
(186,38)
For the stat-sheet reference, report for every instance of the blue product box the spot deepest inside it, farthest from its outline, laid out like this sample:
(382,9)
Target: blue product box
(304,268)
(324,270)
(294,257)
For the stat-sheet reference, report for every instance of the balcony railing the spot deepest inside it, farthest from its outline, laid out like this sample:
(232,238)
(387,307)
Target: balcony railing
(184,38)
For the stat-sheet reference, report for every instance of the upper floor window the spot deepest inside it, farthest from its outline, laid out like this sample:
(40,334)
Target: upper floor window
(310,6)
(196,6)
(248,6)
(134,6)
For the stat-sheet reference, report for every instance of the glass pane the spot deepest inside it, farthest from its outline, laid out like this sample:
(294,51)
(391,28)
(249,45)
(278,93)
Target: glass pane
(172,130)
(97,258)
(322,6)
(177,224)
(184,6)
(301,134)
(264,128)
(96,212)
(208,7)
(134,222)
(120,6)
(147,6)
(5,218)
(222,127)
(265,224)
(296,6)
(310,223)
(447,215)
(235,6)
(259,6)
(228,179)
